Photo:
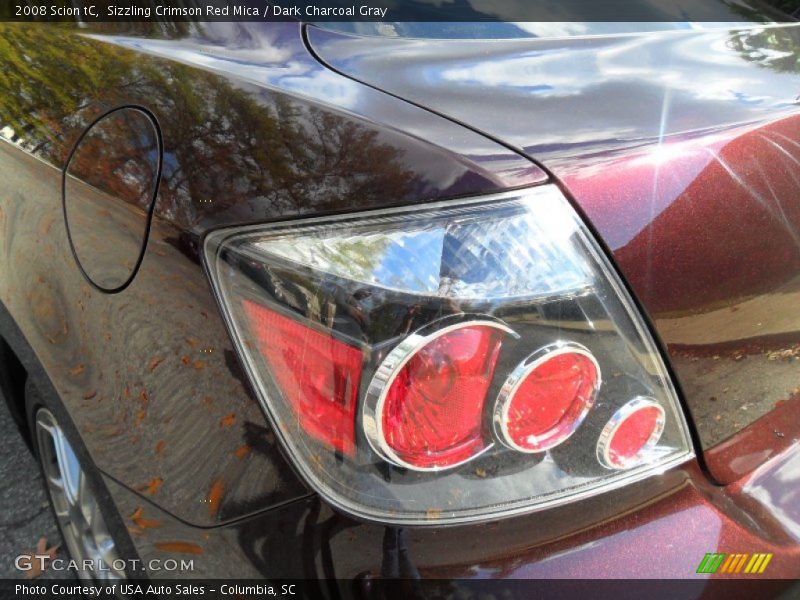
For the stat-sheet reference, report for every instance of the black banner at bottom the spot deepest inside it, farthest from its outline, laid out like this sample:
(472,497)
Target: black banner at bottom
(367,588)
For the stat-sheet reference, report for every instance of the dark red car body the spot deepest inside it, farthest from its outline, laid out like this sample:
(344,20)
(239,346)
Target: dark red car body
(680,149)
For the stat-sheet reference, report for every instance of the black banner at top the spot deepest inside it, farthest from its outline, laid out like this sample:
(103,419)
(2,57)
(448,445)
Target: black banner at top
(88,11)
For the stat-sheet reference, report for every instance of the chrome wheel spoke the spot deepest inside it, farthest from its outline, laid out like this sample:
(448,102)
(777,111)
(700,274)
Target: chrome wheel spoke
(55,481)
(85,501)
(75,505)
(107,551)
(69,466)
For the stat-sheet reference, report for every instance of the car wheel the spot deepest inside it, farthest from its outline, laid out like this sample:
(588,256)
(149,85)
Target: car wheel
(73,497)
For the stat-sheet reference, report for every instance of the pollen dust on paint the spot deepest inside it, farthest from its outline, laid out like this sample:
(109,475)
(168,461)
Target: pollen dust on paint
(139,519)
(215,497)
(181,547)
(152,487)
(75,371)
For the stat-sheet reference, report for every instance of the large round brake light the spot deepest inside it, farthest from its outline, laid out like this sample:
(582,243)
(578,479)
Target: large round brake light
(546,397)
(424,406)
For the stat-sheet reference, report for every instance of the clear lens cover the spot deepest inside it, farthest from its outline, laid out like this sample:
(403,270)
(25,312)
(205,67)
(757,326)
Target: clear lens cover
(380,343)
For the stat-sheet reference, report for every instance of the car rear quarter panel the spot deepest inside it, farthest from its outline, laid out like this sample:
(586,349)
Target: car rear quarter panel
(149,375)
(682,150)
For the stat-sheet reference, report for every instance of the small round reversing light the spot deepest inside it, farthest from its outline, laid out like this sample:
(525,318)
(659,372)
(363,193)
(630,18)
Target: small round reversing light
(423,409)
(546,397)
(630,434)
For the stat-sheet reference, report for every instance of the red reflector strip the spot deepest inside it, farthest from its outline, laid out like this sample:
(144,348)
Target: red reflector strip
(318,375)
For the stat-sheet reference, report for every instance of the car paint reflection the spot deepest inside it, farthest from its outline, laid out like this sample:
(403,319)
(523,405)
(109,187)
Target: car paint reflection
(692,183)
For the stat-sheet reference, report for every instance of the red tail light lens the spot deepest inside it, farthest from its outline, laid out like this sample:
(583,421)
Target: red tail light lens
(630,434)
(391,351)
(318,375)
(546,398)
(424,409)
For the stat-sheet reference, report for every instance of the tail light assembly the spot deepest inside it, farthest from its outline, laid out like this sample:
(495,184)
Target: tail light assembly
(451,362)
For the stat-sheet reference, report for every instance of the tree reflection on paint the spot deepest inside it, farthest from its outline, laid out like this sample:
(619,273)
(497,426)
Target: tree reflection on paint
(226,149)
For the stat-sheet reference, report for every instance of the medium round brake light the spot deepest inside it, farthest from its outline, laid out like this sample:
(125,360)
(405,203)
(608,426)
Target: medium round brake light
(630,434)
(424,406)
(546,397)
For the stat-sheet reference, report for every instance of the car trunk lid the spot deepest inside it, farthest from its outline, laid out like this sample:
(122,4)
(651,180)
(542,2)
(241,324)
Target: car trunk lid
(682,149)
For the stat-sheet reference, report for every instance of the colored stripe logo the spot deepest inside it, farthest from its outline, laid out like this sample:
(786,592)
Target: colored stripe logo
(734,563)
